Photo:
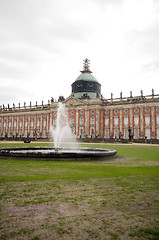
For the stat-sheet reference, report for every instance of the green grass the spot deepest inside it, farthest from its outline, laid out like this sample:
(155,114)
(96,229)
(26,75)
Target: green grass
(116,199)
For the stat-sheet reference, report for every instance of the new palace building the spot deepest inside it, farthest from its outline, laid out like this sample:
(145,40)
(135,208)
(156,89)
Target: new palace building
(90,115)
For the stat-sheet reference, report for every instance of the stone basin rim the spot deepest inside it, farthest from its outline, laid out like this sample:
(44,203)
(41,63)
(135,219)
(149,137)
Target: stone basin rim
(63,153)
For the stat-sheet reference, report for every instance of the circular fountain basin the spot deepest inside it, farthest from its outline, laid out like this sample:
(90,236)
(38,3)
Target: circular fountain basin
(48,153)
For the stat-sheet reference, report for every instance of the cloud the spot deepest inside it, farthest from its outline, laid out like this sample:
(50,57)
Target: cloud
(43,43)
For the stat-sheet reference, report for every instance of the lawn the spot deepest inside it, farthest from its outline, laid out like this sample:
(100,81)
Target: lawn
(116,199)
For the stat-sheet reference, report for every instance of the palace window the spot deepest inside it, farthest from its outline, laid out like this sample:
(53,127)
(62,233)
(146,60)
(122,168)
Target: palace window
(147,120)
(147,133)
(44,123)
(126,121)
(9,124)
(116,121)
(92,133)
(31,133)
(9,133)
(126,133)
(157,120)
(81,133)
(107,133)
(136,110)
(20,123)
(26,123)
(81,120)
(54,123)
(116,133)
(44,133)
(136,120)
(106,121)
(116,111)
(38,133)
(38,123)
(136,133)
(25,134)
(92,120)
(72,121)
(32,124)
(20,132)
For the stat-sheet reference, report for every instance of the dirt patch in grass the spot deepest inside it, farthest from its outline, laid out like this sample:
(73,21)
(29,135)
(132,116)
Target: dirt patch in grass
(112,208)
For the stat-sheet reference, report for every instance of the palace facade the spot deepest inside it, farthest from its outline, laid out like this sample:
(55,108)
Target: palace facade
(90,115)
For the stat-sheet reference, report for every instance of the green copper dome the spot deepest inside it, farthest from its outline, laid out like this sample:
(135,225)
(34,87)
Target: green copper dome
(86,77)
(86,85)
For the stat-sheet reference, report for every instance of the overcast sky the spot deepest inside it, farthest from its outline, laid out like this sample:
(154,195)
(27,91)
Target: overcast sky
(43,44)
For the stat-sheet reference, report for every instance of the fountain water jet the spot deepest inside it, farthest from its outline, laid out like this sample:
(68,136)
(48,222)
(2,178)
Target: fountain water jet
(62,134)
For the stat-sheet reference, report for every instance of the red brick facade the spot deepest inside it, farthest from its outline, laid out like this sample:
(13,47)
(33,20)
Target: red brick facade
(88,118)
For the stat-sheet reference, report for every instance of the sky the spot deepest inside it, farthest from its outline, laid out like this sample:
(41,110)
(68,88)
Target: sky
(43,44)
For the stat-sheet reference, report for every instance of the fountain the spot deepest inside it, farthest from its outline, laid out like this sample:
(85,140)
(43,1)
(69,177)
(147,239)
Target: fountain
(65,145)
(62,135)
